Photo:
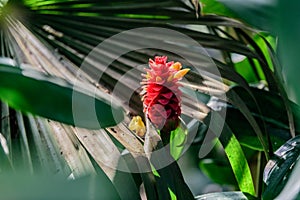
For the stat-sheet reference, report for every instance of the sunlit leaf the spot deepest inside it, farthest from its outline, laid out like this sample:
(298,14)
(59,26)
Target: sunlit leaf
(235,156)
(178,138)
(238,162)
(214,7)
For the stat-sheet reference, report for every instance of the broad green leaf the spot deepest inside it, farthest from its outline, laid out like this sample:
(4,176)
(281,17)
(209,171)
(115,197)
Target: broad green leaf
(51,97)
(235,156)
(278,170)
(288,45)
(256,13)
(237,161)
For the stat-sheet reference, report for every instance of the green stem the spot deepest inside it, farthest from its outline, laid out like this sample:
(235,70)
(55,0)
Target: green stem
(261,162)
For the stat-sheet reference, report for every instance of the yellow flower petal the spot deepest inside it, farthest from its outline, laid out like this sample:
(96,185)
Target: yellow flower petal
(148,76)
(177,66)
(170,78)
(181,73)
(137,125)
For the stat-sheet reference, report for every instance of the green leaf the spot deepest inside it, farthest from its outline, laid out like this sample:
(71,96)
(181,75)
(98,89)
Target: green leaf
(215,170)
(269,103)
(172,176)
(169,175)
(177,140)
(247,137)
(281,84)
(214,7)
(151,187)
(254,73)
(265,66)
(256,13)
(239,102)
(245,69)
(235,156)
(278,170)
(277,126)
(54,98)
(288,44)
(237,161)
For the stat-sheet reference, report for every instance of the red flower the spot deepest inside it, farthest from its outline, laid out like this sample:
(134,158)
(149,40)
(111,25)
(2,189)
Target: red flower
(161,94)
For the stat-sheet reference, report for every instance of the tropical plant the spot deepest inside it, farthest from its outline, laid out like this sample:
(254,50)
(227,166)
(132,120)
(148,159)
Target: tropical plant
(70,74)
